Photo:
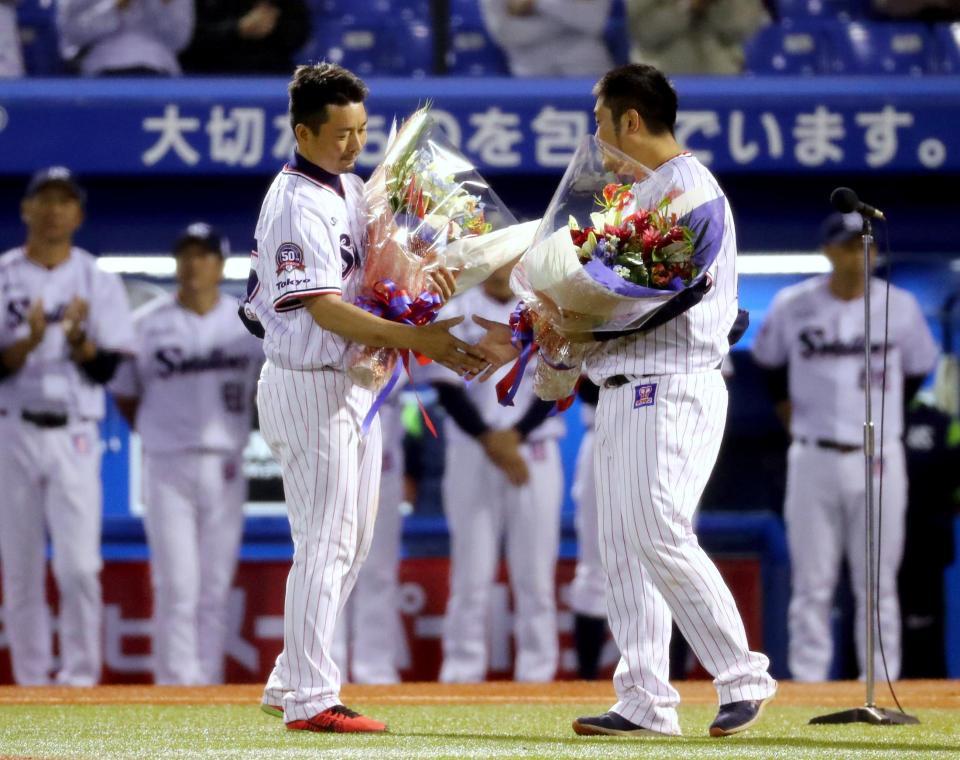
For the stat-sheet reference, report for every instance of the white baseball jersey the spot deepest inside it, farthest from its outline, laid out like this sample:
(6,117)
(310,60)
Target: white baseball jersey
(50,381)
(820,338)
(310,238)
(695,341)
(483,395)
(195,376)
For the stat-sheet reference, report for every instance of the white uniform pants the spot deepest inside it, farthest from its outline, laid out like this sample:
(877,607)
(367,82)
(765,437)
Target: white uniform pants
(194,523)
(589,587)
(482,508)
(50,478)
(825,512)
(331,481)
(370,633)
(652,464)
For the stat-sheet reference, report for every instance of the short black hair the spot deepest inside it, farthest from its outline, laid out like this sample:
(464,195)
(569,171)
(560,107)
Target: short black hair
(643,88)
(317,85)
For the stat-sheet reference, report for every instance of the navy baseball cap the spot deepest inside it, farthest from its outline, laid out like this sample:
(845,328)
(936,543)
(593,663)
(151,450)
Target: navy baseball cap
(205,235)
(839,228)
(55,175)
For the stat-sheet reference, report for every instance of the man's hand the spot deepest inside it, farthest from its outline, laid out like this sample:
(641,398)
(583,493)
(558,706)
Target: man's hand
(37,322)
(444,282)
(502,447)
(74,329)
(495,346)
(521,7)
(74,317)
(436,342)
(259,22)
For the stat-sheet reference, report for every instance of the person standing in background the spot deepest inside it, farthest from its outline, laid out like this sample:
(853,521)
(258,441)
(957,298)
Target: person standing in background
(64,326)
(693,36)
(11,54)
(550,38)
(812,347)
(502,484)
(189,394)
(588,593)
(246,36)
(124,37)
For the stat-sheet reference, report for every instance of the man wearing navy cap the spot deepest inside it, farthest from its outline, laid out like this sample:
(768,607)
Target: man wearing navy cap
(64,325)
(189,394)
(812,346)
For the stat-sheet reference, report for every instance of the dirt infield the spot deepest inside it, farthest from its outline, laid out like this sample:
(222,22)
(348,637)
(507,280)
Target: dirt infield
(912,694)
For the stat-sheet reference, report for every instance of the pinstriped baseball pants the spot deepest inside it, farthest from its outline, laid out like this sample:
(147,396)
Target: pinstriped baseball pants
(653,459)
(331,482)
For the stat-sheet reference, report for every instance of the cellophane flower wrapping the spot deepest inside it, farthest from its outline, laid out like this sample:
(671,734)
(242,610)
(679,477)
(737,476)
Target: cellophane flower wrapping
(616,244)
(427,207)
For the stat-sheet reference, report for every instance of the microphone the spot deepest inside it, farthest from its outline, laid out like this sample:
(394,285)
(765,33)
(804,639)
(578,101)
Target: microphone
(843,199)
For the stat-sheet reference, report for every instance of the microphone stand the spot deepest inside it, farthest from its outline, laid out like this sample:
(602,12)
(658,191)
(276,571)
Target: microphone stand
(869,713)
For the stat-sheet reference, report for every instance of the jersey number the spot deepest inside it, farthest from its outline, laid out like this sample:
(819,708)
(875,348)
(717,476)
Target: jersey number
(232,393)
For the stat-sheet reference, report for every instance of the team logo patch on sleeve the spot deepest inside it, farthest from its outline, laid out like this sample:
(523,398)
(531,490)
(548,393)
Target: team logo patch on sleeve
(289,258)
(644,395)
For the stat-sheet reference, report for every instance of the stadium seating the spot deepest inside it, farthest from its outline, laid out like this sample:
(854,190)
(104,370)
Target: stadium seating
(948,47)
(844,10)
(471,52)
(788,48)
(616,34)
(36,20)
(371,11)
(400,49)
(881,48)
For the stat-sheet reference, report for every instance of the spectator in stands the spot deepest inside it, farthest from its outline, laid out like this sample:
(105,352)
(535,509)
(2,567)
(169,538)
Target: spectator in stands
(246,36)
(544,38)
(124,37)
(921,10)
(693,36)
(11,57)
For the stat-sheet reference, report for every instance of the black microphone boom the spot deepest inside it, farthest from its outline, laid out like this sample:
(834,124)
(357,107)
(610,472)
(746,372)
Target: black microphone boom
(845,200)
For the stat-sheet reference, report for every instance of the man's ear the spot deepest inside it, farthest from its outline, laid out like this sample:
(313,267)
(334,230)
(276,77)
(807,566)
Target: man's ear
(631,122)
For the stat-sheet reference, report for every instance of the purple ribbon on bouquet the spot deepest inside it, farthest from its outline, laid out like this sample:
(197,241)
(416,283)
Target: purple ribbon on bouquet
(522,326)
(393,303)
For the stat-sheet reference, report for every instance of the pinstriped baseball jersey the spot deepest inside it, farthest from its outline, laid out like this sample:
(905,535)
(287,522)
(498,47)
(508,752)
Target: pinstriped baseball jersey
(695,341)
(50,381)
(310,240)
(195,375)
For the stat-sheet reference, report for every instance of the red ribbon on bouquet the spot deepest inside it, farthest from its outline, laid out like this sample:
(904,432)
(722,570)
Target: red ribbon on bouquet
(393,303)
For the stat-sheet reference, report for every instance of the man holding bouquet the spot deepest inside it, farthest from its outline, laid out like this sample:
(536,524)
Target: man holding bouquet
(659,423)
(311,239)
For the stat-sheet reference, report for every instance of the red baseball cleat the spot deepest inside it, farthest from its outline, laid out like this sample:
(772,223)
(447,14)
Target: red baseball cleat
(338,719)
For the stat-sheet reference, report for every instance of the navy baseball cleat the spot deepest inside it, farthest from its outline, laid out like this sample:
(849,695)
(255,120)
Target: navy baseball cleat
(610,724)
(735,717)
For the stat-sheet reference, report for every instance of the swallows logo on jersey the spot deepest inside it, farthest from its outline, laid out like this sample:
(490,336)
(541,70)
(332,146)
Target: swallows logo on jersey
(645,395)
(349,255)
(289,258)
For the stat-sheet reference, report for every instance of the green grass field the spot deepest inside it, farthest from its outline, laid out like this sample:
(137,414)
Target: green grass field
(445,731)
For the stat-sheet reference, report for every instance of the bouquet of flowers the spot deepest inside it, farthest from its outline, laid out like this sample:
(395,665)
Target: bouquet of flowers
(616,245)
(427,207)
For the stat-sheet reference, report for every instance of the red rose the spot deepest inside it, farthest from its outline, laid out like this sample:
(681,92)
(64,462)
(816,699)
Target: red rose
(579,237)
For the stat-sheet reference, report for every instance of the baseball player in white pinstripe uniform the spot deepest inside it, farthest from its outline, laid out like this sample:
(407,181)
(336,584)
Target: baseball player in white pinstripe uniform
(660,419)
(64,325)
(189,393)
(305,273)
(811,345)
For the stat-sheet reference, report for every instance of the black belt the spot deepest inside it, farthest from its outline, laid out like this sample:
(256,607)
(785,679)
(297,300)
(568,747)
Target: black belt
(820,443)
(44,419)
(615,381)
